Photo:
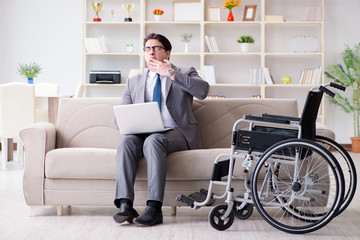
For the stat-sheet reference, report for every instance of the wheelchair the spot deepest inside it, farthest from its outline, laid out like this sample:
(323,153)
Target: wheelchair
(299,181)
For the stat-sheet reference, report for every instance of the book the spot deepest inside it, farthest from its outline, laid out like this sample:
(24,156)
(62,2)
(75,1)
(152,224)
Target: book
(91,45)
(255,75)
(268,78)
(274,18)
(103,43)
(312,13)
(208,45)
(209,74)
(214,44)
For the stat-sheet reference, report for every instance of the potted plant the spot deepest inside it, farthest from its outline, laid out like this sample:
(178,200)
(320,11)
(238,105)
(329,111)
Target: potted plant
(157,14)
(245,42)
(186,37)
(348,76)
(29,71)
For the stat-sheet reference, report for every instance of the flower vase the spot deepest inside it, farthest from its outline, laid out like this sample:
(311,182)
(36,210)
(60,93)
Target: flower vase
(230,17)
(30,81)
(157,18)
(186,48)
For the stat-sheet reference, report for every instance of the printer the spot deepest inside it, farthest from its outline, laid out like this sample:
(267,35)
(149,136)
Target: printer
(112,77)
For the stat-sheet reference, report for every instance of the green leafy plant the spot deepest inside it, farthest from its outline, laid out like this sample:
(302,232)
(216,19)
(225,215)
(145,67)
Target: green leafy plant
(186,37)
(348,76)
(246,39)
(31,70)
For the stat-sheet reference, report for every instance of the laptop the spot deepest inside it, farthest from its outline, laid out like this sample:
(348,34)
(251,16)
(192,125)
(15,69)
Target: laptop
(139,118)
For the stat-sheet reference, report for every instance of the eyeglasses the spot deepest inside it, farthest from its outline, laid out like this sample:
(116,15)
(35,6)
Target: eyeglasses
(154,48)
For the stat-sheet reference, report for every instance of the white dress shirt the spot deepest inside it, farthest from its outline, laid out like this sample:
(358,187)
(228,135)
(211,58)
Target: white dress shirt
(149,88)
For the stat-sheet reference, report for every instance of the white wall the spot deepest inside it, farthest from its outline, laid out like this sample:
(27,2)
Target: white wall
(342,26)
(46,32)
(49,33)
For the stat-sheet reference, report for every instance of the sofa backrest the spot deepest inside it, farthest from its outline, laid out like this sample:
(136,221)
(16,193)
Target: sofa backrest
(89,122)
(216,117)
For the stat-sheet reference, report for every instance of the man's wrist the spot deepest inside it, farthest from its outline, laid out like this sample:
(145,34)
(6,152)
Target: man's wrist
(170,72)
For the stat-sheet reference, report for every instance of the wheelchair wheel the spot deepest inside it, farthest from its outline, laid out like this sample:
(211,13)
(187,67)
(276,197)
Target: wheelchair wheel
(347,166)
(297,186)
(243,213)
(215,218)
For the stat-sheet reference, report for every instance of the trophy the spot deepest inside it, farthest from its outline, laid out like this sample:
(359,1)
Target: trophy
(97,7)
(127,7)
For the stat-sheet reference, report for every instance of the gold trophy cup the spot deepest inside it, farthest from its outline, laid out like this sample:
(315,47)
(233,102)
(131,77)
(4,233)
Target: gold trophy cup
(97,7)
(127,7)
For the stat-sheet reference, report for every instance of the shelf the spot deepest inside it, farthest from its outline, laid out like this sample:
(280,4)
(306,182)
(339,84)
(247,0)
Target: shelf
(273,47)
(112,23)
(232,54)
(233,23)
(293,54)
(111,54)
(295,23)
(172,23)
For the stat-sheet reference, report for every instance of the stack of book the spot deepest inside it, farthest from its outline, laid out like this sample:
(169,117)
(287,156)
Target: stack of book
(96,45)
(211,44)
(311,76)
(313,13)
(255,75)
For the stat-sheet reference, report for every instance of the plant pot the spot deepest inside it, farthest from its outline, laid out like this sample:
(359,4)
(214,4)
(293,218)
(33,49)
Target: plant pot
(186,50)
(30,81)
(245,47)
(157,18)
(355,144)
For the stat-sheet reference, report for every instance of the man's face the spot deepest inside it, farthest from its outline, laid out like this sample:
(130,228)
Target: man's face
(154,50)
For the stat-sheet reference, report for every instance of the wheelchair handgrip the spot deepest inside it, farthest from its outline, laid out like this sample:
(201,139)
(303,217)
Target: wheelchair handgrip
(327,91)
(338,86)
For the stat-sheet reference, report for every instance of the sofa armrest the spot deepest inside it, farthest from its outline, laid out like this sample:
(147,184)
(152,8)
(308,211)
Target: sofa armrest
(38,139)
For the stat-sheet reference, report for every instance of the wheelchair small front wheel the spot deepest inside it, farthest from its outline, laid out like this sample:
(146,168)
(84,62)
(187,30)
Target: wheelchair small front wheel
(243,213)
(215,218)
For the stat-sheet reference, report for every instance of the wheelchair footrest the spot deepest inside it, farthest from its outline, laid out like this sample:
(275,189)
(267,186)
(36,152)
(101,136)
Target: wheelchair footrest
(196,197)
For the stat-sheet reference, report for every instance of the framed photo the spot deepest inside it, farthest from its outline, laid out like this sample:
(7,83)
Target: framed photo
(249,13)
(186,11)
(214,14)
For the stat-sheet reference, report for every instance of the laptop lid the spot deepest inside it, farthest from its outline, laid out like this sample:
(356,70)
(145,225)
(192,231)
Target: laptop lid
(139,118)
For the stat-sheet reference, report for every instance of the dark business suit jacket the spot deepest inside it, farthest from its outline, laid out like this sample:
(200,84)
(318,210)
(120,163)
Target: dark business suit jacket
(179,98)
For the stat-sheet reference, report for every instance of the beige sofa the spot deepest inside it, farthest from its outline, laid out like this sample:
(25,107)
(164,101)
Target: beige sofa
(73,163)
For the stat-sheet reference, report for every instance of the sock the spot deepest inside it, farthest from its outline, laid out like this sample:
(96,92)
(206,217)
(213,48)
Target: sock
(155,204)
(120,201)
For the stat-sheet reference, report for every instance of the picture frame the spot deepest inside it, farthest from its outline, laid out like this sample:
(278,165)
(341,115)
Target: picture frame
(249,13)
(214,14)
(186,11)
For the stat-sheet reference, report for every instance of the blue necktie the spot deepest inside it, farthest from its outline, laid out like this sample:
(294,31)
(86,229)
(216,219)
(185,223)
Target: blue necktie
(157,91)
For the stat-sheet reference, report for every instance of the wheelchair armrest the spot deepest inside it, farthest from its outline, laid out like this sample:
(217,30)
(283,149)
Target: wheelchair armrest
(294,119)
(267,119)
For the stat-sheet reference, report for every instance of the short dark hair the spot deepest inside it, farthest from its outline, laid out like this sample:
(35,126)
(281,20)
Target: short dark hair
(165,42)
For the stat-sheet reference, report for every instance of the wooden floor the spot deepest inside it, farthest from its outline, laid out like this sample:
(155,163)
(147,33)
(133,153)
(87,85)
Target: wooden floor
(87,223)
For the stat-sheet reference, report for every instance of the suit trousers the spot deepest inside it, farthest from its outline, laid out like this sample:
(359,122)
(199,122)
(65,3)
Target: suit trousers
(154,148)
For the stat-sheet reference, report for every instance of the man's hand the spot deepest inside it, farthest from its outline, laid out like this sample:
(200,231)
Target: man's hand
(161,67)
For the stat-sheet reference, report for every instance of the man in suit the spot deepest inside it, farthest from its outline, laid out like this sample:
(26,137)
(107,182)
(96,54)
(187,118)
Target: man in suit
(178,87)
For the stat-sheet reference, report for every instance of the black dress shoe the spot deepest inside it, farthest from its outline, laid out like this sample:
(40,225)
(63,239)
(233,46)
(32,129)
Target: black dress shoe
(149,217)
(126,213)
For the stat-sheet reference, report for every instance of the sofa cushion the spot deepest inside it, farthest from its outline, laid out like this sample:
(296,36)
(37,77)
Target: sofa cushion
(97,163)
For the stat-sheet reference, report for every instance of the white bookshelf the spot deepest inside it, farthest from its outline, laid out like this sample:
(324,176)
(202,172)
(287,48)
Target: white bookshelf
(273,46)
